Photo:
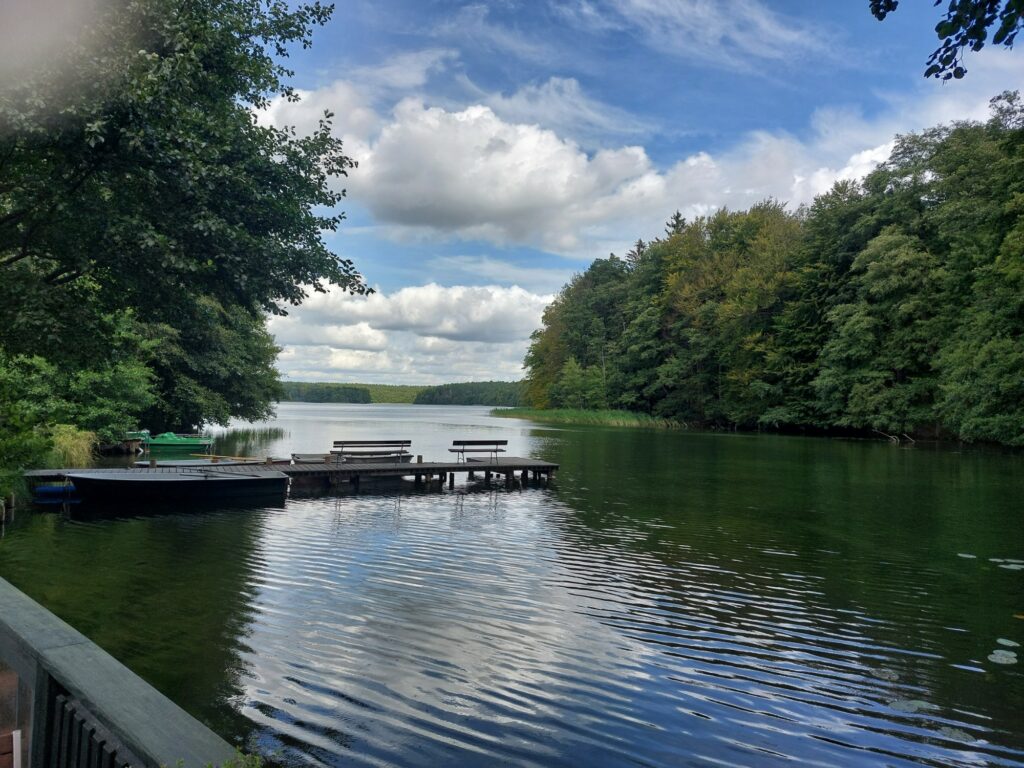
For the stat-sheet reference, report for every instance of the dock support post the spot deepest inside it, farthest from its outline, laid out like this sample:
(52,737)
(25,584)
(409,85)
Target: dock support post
(524,478)
(471,475)
(487,476)
(418,479)
(451,481)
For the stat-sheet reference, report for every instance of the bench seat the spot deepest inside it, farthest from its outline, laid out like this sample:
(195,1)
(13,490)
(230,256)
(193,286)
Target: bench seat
(491,447)
(372,451)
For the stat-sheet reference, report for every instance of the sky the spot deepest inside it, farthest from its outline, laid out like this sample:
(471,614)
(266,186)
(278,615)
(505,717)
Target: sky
(504,146)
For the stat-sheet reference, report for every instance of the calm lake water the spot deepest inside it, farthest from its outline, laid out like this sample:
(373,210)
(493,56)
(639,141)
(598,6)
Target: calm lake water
(671,599)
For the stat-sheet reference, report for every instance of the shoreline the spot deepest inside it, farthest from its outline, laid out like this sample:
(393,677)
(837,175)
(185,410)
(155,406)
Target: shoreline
(606,418)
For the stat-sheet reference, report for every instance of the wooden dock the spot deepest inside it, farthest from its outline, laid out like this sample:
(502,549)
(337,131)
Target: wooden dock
(327,475)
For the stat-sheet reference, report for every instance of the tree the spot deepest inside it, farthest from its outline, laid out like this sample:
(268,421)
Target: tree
(878,365)
(965,25)
(579,387)
(675,225)
(134,166)
(634,256)
(583,322)
(893,304)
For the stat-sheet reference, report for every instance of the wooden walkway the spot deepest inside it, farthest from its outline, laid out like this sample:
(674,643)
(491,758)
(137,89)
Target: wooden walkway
(324,475)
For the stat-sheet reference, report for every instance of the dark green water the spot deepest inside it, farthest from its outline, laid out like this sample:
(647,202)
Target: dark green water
(673,599)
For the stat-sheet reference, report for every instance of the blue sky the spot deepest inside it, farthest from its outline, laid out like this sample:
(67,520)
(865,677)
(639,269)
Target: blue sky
(504,145)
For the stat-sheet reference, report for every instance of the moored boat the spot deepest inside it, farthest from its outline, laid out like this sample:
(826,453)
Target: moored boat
(166,440)
(185,484)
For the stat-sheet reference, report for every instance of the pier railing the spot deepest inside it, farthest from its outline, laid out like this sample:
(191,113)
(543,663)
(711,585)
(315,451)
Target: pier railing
(66,703)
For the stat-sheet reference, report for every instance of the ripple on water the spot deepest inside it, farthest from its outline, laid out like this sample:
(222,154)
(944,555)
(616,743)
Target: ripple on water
(497,629)
(501,628)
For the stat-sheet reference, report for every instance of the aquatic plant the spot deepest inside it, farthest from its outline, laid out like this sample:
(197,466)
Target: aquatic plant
(607,418)
(247,441)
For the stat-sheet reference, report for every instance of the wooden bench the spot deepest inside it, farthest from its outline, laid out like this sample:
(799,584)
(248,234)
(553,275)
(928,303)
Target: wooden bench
(368,451)
(462,447)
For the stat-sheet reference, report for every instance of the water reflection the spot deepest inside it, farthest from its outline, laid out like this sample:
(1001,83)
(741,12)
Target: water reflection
(170,596)
(785,587)
(672,599)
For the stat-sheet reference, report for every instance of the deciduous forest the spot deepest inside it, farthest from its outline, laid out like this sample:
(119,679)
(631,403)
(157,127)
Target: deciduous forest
(891,306)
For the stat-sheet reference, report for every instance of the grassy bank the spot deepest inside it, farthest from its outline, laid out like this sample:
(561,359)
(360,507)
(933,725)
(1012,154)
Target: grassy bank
(574,416)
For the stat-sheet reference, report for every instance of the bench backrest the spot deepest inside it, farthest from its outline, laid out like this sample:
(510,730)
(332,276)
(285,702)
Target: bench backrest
(479,442)
(372,443)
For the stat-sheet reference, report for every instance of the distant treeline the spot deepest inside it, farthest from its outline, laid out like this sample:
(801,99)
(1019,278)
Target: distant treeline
(507,393)
(468,393)
(893,305)
(324,392)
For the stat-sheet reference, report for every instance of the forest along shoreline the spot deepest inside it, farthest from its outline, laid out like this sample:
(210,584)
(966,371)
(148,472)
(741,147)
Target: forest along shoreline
(891,307)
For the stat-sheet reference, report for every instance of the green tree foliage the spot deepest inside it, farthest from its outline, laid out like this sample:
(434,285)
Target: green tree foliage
(579,387)
(895,304)
(330,392)
(323,392)
(584,321)
(499,393)
(141,197)
(965,25)
(877,367)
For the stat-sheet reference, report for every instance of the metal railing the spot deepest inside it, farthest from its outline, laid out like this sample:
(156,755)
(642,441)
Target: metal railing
(81,708)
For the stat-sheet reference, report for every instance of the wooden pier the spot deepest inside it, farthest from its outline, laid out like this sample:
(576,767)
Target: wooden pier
(328,475)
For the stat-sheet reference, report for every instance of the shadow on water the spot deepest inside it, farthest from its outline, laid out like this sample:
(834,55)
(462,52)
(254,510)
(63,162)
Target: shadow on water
(760,558)
(169,594)
(671,599)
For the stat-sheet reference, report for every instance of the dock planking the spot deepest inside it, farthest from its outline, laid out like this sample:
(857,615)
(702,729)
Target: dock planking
(313,475)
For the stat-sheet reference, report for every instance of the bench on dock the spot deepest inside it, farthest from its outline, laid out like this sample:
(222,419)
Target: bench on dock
(492,447)
(370,451)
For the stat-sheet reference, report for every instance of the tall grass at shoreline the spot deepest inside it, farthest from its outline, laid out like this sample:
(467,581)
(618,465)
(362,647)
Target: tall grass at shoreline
(607,418)
(71,447)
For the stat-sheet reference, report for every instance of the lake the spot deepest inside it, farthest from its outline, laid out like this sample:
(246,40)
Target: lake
(672,598)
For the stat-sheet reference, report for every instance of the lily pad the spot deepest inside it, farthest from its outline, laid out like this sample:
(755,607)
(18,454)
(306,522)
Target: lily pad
(912,705)
(955,733)
(1002,657)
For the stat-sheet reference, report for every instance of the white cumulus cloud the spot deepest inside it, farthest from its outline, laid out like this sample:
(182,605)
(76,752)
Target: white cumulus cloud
(494,172)
(419,334)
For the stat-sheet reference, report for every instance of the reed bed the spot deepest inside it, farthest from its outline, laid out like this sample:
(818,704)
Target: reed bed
(71,446)
(605,418)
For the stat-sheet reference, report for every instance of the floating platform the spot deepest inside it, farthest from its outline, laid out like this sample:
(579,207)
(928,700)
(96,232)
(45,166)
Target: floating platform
(324,476)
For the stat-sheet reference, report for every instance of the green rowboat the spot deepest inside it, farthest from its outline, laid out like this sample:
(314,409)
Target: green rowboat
(195,443)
